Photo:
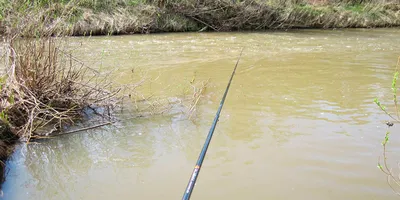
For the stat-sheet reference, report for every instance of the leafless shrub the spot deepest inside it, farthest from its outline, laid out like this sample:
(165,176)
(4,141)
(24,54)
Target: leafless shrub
(46,87)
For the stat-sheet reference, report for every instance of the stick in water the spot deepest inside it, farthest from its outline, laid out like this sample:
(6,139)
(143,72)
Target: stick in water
(196,171)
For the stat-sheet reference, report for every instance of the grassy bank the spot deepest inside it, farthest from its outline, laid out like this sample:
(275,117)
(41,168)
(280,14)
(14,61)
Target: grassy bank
(94,17)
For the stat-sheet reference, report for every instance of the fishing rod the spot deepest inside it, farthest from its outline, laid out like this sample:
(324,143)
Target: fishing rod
(196,171)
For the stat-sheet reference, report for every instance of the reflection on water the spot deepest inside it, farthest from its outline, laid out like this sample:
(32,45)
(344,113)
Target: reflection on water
(299,121)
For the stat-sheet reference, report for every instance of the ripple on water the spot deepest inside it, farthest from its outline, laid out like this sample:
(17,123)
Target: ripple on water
(299,121)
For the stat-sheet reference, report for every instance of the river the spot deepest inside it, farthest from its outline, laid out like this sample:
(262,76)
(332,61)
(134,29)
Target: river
(299,121)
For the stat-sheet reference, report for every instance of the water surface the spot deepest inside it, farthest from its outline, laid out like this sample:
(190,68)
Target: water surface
(299,121)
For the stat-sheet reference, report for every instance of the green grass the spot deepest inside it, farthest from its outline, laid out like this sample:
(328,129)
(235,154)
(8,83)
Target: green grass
(310,9)
(357,8)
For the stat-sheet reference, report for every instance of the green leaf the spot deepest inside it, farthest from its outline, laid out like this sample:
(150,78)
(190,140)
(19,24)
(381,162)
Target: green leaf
(386,138)
(377,102)
(380,166)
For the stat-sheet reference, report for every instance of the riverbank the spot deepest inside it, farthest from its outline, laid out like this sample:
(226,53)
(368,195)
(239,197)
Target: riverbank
(82,18)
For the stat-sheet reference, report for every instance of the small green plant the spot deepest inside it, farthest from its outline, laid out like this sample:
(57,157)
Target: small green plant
(311,10)
(4,117)
(136,2)
(4,5)
(392,179)
(358,8)
(2,81)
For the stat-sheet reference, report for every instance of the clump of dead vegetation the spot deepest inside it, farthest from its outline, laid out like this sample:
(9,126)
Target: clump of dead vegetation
(224,15)
(46,88)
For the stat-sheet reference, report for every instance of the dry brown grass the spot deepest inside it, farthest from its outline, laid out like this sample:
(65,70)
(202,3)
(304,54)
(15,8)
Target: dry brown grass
(121,21)
(34,22)
(366,15)
(224,15)
(46,87)
(145,16)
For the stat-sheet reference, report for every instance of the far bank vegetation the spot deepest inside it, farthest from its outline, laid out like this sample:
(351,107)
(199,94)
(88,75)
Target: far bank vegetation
(94,17)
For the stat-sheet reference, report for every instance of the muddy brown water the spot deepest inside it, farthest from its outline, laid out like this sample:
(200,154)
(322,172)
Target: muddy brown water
(299,121)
